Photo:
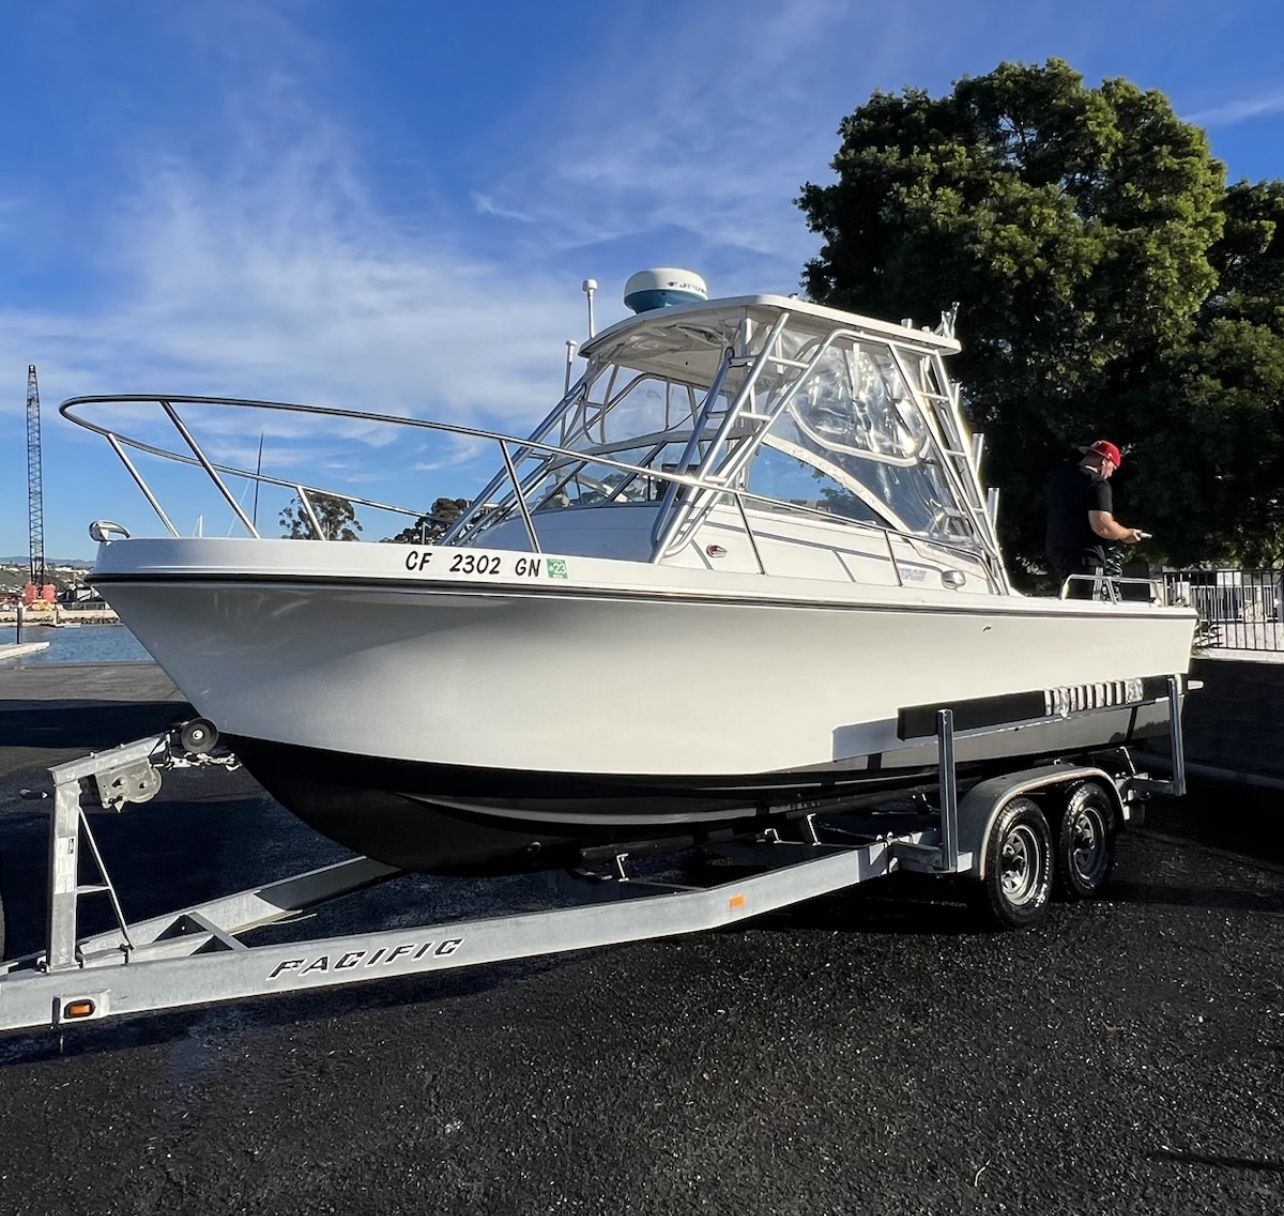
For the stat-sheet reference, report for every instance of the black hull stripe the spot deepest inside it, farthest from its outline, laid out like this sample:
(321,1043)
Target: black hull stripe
(993,607)
(919,721)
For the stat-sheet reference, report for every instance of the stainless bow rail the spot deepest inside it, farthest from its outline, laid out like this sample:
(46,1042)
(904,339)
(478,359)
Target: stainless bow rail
(682,486)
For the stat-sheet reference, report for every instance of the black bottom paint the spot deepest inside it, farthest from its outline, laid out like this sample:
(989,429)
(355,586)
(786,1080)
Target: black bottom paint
(454,819)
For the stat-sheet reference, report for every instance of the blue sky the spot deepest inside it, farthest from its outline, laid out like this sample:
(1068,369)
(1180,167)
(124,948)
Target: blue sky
(391,205)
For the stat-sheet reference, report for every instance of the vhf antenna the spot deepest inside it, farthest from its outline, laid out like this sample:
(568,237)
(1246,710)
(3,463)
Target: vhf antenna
(571,348)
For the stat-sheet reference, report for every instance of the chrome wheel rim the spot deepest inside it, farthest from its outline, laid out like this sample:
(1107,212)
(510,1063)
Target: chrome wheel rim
(1021,865)
(1089,852)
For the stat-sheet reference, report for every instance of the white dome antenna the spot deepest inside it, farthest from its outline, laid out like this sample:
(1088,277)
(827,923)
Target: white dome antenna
(664,287)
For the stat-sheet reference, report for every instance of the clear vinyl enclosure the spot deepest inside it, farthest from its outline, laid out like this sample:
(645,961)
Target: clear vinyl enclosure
(783,409)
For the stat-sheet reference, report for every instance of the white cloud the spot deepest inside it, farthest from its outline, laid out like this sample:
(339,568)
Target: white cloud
(1240,111)
(485,205)
(698,133)
(460,450)
(276,276)
(271,268)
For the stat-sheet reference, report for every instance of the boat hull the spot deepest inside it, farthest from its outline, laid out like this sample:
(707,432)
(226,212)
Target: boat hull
(406,708)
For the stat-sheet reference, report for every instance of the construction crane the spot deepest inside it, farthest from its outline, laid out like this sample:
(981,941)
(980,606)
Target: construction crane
(35,483)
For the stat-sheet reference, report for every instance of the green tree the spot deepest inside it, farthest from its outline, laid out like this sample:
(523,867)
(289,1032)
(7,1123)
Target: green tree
(1215,402)
(432,526)
(1249,258)
(1109,284)
(336,515)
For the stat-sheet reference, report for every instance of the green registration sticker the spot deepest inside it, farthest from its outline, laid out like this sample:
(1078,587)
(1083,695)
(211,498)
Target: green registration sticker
(556,567)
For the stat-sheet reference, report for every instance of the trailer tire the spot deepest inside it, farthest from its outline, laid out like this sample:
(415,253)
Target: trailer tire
(1085,842)
(1018,868)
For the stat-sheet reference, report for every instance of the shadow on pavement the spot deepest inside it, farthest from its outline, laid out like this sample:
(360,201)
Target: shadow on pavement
(901,904)
(1230,1163)
(86,724)
(1235,818)
(298,1008)
(1220,898)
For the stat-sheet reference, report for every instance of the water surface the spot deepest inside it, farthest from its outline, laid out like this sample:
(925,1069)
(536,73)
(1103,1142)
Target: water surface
(79,644)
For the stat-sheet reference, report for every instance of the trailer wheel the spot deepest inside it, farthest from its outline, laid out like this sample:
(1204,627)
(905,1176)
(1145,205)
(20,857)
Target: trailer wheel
(1085,842)
(1018,867)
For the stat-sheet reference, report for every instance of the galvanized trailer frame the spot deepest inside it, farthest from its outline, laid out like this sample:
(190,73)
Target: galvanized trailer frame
(197,955)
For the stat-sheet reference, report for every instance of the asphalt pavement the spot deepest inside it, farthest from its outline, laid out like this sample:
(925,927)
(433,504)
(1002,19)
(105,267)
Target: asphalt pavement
(866,1052)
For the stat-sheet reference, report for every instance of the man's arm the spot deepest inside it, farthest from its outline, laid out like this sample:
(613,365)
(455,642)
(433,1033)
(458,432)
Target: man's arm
(1104,525)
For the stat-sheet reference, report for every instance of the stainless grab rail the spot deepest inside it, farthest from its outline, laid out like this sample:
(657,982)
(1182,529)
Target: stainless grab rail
(1106,587)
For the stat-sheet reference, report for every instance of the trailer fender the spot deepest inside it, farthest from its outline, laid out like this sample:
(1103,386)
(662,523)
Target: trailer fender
(980,806)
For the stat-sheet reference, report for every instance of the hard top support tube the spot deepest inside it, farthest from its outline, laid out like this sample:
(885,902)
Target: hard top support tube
(670,517)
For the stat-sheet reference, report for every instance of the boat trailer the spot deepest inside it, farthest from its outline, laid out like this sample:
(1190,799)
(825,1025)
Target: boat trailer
(996,838)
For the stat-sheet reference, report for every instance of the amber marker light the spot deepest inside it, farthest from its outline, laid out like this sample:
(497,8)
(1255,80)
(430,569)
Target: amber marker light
(736,902)
(79,1009)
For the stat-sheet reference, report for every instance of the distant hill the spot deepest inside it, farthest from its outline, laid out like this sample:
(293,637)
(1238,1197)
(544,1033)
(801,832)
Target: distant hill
(79,563)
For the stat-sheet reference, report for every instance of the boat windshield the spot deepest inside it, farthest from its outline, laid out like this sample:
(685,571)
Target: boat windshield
(854,422)
(783,409)
(631,417)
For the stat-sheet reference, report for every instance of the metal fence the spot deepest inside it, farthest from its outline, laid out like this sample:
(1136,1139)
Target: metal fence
(1238,609)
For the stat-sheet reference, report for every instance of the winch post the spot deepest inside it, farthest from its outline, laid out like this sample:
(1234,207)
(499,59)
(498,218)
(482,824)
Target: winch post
(1175,737)
(64,870)
(65,826)
(949,862)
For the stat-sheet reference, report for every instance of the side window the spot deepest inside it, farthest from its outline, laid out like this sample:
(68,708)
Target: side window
(776,474)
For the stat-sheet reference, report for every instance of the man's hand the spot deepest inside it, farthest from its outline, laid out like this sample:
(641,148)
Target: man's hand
(1104,525)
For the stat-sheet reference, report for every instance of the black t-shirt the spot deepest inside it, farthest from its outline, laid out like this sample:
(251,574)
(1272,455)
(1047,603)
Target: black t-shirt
(1073,491)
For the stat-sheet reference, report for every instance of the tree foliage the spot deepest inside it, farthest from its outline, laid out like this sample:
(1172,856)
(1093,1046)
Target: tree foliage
(336,515)
(1109,283)
(433,525)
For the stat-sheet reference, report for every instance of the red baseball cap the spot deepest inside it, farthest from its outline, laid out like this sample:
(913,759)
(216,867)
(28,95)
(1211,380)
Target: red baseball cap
(1103,447)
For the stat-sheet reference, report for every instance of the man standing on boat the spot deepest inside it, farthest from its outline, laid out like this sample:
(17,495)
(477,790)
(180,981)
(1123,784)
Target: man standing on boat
(1081,518)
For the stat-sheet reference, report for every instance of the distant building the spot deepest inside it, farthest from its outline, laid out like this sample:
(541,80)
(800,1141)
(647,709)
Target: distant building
(79,593)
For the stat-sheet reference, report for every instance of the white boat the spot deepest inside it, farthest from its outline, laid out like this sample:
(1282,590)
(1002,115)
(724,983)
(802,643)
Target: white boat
(730,578)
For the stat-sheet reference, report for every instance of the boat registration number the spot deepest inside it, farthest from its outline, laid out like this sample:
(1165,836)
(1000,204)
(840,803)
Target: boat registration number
(457,561)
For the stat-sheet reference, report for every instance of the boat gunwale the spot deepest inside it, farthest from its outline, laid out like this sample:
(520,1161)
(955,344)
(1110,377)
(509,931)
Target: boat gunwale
(983,605)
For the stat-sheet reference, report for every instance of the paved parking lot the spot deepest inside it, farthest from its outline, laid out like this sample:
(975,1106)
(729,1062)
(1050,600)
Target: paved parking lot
(869,1051)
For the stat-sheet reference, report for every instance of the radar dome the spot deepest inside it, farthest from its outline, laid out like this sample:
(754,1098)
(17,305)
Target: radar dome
(663,287)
